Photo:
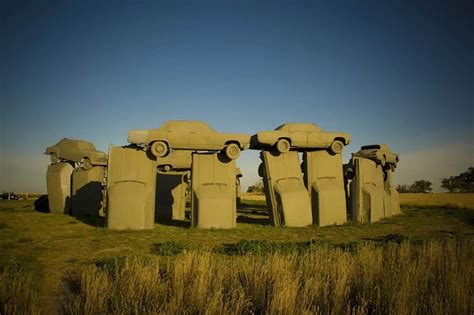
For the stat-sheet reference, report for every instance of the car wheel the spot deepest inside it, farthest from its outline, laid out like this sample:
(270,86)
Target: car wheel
(261,170)
(232,151)
(86,164)
(337,147)
(159,149)
(54,158)
(283,145)
(349,172)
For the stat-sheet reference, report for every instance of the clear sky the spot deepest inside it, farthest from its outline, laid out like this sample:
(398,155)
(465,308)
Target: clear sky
(395,72)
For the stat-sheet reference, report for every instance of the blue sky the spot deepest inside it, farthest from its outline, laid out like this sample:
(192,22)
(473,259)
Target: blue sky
(400,73)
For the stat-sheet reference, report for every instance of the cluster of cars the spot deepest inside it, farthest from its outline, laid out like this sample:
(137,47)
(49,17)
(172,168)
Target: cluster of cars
(9,196)
(174,141)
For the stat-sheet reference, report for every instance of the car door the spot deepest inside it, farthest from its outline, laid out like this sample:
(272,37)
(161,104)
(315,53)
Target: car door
(201,139)
(298,137)
(178,139)
(317,138)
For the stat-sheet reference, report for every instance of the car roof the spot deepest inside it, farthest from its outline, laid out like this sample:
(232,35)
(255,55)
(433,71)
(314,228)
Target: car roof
(188,125)
(299,127)
(73,144)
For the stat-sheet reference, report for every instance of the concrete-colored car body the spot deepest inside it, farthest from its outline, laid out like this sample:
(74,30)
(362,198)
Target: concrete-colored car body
(380,153)
(76,151)
(86,191)
(170,201)
(287,197)
(176,160)
(58,182)
(325,183)
(187,135)
(238,190)
(131,187)
(391,197)
(367,191)
(300,136)
(213,201)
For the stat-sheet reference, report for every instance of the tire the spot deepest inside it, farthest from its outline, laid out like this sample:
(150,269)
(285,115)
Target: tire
(54,158)
(261,170)
(232,151)
(283,145)
(159,149)
(349,173)
(337,147)
(86,164)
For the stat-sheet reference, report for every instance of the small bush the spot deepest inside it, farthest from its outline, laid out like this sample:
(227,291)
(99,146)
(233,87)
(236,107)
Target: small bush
(170,248)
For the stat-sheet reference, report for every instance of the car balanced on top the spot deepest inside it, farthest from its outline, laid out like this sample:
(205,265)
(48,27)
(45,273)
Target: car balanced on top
(300,136)
(82,152)
(380,153)
(189,135)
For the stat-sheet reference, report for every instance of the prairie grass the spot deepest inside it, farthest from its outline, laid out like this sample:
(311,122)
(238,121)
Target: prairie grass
(54,263)
(17,291)
(432,278)
(451,200)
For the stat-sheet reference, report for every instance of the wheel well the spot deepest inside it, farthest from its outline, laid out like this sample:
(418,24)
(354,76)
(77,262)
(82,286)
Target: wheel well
(341,139)
(286,138)
(166,142)
(233,141)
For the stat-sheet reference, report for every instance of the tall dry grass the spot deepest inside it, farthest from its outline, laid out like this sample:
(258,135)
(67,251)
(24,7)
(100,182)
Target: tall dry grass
(432,278)
(17,292)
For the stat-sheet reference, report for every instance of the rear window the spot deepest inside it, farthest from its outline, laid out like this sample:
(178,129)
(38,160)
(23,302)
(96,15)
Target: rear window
(369,147)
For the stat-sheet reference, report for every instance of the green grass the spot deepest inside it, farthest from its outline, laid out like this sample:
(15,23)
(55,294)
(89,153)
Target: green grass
(49,246)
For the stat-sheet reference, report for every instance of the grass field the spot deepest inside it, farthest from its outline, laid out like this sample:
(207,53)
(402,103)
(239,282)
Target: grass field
(418,262)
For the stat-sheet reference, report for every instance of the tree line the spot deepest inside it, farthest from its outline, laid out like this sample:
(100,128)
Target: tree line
(463,182)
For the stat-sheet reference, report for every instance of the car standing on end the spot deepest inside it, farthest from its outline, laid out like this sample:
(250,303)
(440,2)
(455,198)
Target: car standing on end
(300,136)
(189,135)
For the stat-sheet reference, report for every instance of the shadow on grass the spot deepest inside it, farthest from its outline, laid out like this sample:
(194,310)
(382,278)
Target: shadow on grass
(249,204)
(253,220)
(176,223)
(464,214)
(389,238)
(92,220)
(264,247)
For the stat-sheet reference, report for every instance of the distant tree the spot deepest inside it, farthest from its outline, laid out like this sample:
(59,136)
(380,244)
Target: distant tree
(403,188)
(256,188)
(449,183)
(421,186)
(463,182)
